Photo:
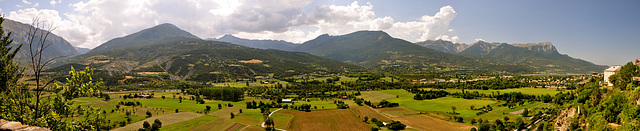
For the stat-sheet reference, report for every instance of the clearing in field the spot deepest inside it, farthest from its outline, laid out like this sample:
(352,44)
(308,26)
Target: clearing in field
(428,123)
(165,119)
(325,120)
(375,96)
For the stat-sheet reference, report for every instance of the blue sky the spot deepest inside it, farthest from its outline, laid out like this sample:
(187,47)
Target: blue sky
(603,32)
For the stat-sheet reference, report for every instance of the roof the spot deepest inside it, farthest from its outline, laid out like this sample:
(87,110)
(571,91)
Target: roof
(613,69)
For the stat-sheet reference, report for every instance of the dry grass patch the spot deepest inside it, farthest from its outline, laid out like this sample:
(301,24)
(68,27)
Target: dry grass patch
(252,61)
(428,123)
(326,120)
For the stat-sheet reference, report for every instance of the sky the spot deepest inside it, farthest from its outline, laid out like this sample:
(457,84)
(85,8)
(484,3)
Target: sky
(602,32)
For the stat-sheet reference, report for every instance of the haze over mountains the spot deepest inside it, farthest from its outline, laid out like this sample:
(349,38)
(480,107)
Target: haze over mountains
(181,55)
(260,44)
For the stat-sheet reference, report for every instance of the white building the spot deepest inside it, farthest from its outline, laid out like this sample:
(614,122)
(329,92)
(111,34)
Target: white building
(611,71)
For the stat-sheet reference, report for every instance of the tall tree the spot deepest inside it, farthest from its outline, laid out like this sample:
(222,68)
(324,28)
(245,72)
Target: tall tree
(10,73)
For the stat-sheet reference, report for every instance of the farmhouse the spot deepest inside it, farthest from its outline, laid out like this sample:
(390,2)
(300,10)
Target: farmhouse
(286,101)
(610,71)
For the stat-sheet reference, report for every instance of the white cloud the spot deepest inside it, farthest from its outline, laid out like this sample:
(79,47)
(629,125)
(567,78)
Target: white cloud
(26,2)
(36,5)
(18,6)
(94,22)
(53,2)
(478,39)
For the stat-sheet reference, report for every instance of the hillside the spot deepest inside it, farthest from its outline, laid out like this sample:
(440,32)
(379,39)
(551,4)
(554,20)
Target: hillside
(145,37)
(378,50)
(542,57)
(260,44)
(59,46)
(200,60)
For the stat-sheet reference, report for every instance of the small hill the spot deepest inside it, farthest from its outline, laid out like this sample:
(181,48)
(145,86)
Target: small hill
(260,44)
(444,46)
(59,46)
(159,33)
(378,50)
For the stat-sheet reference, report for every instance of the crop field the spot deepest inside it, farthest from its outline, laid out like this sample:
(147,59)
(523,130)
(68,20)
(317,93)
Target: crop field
(189,124)
(428,123)
(216,125)
(367,111)
(325,120)
(375,96)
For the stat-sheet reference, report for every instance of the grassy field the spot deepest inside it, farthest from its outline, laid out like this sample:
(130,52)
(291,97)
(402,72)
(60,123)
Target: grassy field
(282,121)
(251,117)
(325,120)
(375,96)
(190,124)
(442,104)
(322,105)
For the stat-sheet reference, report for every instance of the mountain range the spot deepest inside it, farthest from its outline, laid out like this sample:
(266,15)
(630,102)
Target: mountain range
(20,34)
(541,57)
(177,57)
(177,54)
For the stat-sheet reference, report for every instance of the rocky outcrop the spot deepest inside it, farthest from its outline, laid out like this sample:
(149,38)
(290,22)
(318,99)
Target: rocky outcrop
(564,119)
(17,126)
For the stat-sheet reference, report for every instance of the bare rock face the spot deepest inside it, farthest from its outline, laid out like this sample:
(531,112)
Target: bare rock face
(542,48)
(17,126)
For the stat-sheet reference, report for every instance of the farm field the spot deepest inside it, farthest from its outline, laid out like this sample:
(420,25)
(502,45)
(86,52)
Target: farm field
(375,96)
(325,120)
(367,111)
(166,120)
(442,104)
(189,124)
(428,123)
